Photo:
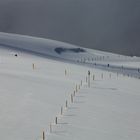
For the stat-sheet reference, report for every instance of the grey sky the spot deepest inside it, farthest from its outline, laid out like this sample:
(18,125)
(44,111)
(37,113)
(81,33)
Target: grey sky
(111,25)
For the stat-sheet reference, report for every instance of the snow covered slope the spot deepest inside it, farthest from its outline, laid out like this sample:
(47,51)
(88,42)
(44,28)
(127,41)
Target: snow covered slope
(49,48)
(33,88)
(56,49)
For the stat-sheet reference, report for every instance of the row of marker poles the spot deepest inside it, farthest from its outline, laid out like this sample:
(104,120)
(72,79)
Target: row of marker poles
(71,96)
(56,118)
(66,104)
(77,87)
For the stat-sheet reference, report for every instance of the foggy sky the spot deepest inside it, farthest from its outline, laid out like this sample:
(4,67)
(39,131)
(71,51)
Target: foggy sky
(111,25)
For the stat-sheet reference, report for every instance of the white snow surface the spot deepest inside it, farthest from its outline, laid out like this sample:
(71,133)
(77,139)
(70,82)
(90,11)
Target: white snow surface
(30,99)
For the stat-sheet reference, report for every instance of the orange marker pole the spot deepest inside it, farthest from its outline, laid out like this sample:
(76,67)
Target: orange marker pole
(43,135)
(61,110)
(71,98)
(66,103)
(56,120)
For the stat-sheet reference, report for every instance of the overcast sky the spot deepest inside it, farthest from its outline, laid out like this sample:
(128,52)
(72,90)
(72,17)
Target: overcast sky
(111,25)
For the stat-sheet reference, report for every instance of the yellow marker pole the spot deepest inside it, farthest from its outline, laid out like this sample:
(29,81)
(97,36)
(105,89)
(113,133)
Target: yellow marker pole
(102,75)
(110,75)
(33,65)
(86,79)
(61,110)
(43,135)
(93,77)
(71,98)
(56,120)
(65,72)
(76,89)
(79,86)
(50,128)
(74,93)
(66,103)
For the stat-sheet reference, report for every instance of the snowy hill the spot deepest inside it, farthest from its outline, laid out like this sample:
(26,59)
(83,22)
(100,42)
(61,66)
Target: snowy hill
(70,53)
(35,88)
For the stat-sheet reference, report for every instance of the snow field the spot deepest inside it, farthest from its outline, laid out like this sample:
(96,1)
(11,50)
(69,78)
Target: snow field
(109,109)
(33,90)
(30,98)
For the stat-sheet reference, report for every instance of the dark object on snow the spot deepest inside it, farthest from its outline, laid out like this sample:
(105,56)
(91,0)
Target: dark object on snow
(16,55)
(74,50)
(108,65)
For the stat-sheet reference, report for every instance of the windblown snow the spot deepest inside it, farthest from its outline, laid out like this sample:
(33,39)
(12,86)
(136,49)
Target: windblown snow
(36,82)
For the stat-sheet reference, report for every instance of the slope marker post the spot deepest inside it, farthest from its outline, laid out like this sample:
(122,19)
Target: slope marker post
(33,66)
(93,77)
(65,72)
(88,78)
(71,98)
(56,120)
(66,103)
(102,75)
(74,93)
(61,110)
(76,89)
(43,135)
(110,75)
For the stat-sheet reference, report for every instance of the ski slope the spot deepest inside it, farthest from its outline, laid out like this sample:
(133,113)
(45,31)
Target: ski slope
(37,83)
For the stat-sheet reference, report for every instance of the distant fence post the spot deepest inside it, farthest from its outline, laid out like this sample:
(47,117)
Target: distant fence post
(65,72)
(88,78)
(74,93)
(71,98)
(33,66)
(50,128)
(66,103)
(56,121)
(102,75)
(93,77)
(43,135)
(110,75)
(76,89)
(61,110)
